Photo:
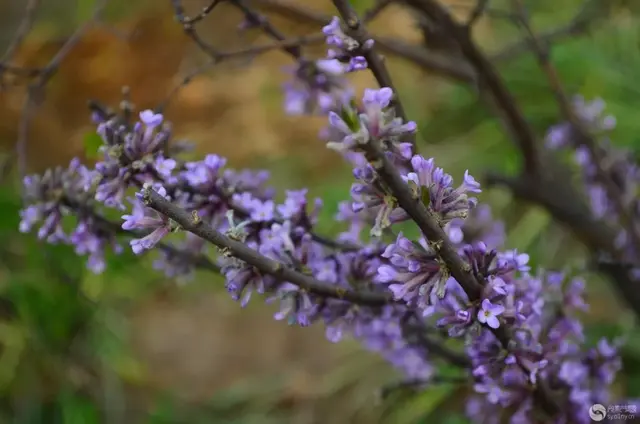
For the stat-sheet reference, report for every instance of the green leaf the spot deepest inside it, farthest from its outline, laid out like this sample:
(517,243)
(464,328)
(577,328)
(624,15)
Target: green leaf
(454,419)
(129,368)
(528,229)
(360,6)
(596,331)
(77,410)
(426,197)
(84,10)
(13,339)
(92,143)
(350,117)
(423,404)
(92,286)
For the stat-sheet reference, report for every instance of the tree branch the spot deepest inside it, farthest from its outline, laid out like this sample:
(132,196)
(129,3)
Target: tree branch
(199,261)
(262,263)
(433,232)
(261,21)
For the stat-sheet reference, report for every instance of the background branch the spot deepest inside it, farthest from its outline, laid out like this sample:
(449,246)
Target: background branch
(554,192)
(489,81)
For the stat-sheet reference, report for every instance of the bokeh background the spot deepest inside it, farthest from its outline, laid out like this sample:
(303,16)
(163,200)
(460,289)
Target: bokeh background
(130,346)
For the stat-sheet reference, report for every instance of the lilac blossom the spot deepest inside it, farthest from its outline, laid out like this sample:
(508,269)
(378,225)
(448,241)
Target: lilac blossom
(345,49)
(371,197)
(414,271)
(143,218)
(489,314)
(349,130)
(59,194)
(131,156)
(614,164)
(317,87)
(434,187)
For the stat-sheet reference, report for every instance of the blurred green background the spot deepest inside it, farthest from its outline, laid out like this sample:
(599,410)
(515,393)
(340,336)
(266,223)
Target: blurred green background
(130,346)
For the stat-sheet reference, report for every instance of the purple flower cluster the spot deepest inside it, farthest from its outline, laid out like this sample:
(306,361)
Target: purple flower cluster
(64,193)
(343,49)
(562,136)
(316,87)
(538,311)
(319,86)
(612,163)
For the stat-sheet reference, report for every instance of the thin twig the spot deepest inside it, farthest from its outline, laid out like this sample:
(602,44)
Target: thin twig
(188,26)
(259,20)
(250,51)
(584,19)
(35,89)
(184,81)
(20,35)
(203,14)
(486,10)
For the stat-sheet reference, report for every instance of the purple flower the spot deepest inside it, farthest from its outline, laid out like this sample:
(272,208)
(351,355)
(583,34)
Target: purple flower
(295,306)
(511,259)
(242,279)
(143,218)
(317,87)
(131,156)
(262,211)
(165,167)
(151,119)
(489,313)
(370,196)
(344,48)
(413,272)
(435,188)
(349,130)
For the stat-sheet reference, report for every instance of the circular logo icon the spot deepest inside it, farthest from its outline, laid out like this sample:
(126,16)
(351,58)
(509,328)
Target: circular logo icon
(597,412)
